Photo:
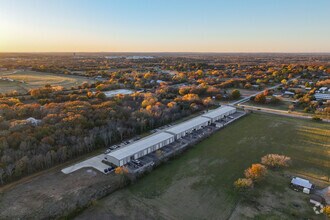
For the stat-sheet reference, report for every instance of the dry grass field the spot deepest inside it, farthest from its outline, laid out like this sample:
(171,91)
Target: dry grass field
(199,183)
(23,81)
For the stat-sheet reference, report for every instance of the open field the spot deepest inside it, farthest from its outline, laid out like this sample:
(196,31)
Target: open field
(199,183)
(26,80)
(244,92)
(283,105)
(6,86)
(280,106)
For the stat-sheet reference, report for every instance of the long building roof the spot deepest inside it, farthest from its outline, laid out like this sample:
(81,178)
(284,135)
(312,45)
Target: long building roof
(184,126)
(219,111)
(322,96)
(140,145)
(301,182)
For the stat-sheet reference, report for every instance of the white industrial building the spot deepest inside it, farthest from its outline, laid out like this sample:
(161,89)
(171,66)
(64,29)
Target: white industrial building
(219,113)
(187,127)
(139,148)
(322,96)
(154,142)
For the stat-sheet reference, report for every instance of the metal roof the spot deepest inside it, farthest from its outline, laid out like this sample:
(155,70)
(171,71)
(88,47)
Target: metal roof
(219,111)
(140,145)
(322,96)
(301,182)
(184,126)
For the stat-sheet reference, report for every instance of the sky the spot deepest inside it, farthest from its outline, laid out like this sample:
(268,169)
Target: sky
(164,26)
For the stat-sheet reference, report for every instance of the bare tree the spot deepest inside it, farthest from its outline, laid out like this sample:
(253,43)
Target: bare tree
(2,173)
(10,169)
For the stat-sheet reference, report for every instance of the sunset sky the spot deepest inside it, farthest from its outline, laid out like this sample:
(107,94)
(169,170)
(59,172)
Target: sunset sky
(165,26)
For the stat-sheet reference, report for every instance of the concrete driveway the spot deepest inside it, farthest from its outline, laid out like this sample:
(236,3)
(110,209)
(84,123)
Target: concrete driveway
(94,162)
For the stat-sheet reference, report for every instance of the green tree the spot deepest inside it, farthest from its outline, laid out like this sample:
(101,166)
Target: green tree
(235,94)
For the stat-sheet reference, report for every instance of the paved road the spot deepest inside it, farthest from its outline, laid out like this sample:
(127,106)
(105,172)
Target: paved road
(280,112)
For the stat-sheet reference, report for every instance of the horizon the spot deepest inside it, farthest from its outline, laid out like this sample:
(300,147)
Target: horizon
(35,26)
(161,52)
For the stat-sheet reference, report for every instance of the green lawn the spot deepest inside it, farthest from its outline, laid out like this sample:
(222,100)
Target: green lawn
(199,183)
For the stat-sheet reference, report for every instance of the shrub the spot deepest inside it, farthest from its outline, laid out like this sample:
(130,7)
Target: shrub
(235,94)
(260,98)
(121,170)
(275,160)
(274,100)
(243,184)
(101,96)
(316,118)
(326,210)
(256,172)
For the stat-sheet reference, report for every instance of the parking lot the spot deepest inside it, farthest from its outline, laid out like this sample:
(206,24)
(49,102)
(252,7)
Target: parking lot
(167,151)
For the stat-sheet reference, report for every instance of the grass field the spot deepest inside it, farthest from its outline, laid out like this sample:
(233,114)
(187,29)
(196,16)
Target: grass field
(199,183)
(283,105)
(26,80)
(280,106)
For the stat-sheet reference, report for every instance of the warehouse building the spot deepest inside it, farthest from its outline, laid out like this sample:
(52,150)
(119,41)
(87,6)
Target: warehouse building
(139,148)
(187,127)
(154,142)
(219,113)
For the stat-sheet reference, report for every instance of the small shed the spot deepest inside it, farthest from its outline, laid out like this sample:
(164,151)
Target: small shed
(300,183)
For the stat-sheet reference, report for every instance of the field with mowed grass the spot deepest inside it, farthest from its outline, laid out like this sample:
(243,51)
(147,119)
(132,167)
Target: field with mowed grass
(199,183)
(23,81)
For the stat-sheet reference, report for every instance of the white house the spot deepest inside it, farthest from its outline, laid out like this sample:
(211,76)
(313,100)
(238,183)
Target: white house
(323,89)
(33,121)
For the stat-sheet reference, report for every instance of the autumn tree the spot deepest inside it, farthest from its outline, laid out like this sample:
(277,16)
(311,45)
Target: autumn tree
(268,92)
(260,98)
(275,160)
(190,97)
(122,171)
(326,210)
(256,172)
(243,184)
